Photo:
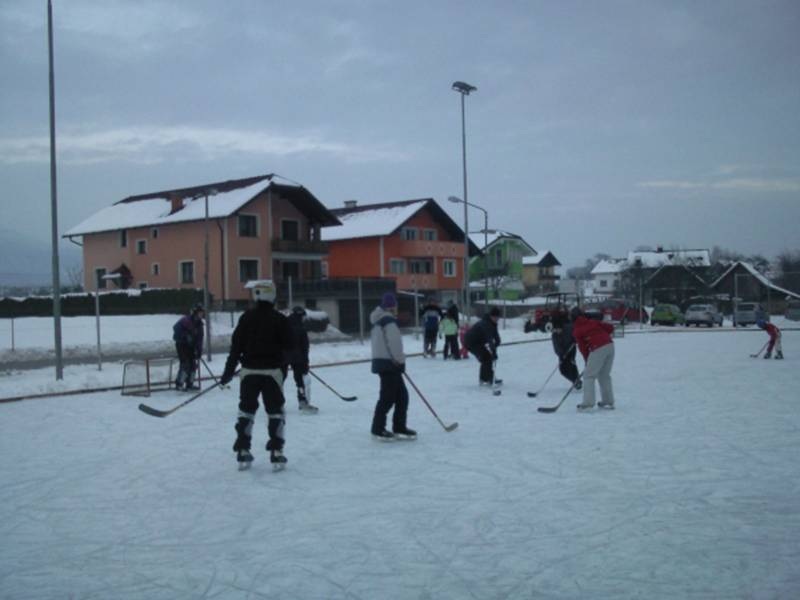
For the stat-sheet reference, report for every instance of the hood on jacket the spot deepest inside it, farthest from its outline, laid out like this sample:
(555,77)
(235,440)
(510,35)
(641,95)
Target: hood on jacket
(380,313)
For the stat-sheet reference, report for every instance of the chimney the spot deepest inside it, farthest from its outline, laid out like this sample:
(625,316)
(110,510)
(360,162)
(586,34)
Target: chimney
(176,203)
(350,203)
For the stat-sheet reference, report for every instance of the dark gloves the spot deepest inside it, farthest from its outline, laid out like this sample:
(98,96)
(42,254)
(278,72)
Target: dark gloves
(227,376)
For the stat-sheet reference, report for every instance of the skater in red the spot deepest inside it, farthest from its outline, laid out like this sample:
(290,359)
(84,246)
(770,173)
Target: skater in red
(774,339)
(594,341)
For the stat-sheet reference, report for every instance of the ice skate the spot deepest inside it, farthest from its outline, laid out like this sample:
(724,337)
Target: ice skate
(405,434)
(278,460)
(606,405)
(383,435)
(779,355)
(244,458)
(585,407)
(768,355)
(308,409)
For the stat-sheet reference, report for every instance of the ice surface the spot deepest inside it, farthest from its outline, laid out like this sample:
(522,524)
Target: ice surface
(688,490)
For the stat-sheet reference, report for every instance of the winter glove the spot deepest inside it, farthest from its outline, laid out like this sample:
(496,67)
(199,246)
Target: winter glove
(226,378)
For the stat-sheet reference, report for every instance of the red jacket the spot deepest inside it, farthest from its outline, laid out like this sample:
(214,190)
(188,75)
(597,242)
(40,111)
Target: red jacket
(772,331)
(591,334)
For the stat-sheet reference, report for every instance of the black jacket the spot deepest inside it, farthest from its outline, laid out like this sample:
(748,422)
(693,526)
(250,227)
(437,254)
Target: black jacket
(298,355)
(563,341)
(482,333)
(260,341)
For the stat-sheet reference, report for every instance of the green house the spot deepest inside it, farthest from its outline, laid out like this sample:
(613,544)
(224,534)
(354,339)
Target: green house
(498,268)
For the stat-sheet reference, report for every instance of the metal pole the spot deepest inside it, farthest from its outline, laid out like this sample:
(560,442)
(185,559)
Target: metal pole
(485,257)
(54,202)
(206,307)
(97,326)
(291,294)
(735,296)
(12,334)
(466,218)
(360,312)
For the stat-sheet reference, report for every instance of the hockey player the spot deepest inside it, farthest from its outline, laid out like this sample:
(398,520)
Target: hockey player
(260,342)
(297,359)
(449,329)
(564,347)
(482,340)
(431,315)
(188,335)
(389,363)
(774,339)
(594,341)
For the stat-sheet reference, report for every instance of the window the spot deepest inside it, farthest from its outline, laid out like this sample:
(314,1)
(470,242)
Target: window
(248,269)
(123,239)
(187,271)
(290,230)
(449,267)
(100,283)
(142,285)
(497,258)
(141,246)
(248,226)
(408,234)
(324,269)
(422,266)
(429,235)
(154,233)
(603,283)
(154,269)
(290,269)
(397,266)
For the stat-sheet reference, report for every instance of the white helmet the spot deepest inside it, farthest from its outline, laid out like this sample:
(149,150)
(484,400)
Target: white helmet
(263,290)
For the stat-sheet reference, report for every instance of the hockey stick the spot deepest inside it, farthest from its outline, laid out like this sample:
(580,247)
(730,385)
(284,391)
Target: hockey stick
(541,389)
(447,428)
(345,398)
(210,372)
(757,354)
(552,409)
(163,413)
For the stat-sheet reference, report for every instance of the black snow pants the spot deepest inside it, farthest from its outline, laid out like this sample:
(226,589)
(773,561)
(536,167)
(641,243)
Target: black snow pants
(567,366)
(486,359)
(393,393)
(272,395)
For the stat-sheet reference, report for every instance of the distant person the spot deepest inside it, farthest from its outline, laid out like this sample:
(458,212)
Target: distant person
(389,363)
(774,339)
(431,315)
(594,341)
(482,340)
(297,359)
(260,342)
(449,330)
(188,336)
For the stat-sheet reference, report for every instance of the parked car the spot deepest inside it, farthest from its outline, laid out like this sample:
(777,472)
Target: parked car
(616,309)
(666,314)
(747,313)
(793,310)
(703,314)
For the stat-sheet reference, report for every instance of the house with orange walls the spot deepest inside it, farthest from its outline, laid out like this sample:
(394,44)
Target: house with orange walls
(414,242)
(256,228)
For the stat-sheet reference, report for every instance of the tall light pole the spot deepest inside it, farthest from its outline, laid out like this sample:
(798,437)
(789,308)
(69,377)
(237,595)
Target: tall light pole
(465,89)
(54,202)
(206,308)
(485,243)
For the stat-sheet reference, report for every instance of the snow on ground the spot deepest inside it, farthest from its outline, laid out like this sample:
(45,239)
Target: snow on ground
(688,490)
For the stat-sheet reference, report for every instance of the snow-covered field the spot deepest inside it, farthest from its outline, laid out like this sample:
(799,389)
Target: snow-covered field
(688,490)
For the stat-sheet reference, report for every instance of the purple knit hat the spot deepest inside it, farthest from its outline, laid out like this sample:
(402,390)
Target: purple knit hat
(388,300)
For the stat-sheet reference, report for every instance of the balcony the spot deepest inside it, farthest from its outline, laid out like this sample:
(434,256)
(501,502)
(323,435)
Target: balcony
(299,247)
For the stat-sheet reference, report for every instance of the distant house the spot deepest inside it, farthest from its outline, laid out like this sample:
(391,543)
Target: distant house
(413,242)
(742,280)
(539,272)
(606,276)
(500,261)
(256,228)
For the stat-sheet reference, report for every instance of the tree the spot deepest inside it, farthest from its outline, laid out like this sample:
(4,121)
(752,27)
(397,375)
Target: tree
(788,270)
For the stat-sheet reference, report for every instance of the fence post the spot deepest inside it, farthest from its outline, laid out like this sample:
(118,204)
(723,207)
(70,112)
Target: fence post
(291,294)
(12,334)
(360,312)
(97,324)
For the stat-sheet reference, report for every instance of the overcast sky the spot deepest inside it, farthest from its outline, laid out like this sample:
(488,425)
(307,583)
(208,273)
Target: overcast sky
(597,126)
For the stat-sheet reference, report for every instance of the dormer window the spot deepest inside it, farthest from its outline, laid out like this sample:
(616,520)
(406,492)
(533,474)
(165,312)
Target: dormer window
(248,226)
(408,233)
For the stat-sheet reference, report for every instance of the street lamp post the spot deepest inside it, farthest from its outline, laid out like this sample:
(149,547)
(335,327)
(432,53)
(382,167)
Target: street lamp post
(465,89)
(206,308)
(485,242)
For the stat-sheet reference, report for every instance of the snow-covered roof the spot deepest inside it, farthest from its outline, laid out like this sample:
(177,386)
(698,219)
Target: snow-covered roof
(652,259)
(759,276)
(610,265)
(537,258)
(492,236)
(371,222)
(152,210)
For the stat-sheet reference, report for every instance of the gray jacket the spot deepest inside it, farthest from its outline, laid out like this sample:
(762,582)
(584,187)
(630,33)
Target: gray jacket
(387,343)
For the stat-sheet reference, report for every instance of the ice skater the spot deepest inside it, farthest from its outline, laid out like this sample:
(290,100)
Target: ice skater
(431,315)
(774,339)
(389,363)
(564,347)
(260,342)
(188,336)
(297,359)
(482,340)
(449,330)
(594,341)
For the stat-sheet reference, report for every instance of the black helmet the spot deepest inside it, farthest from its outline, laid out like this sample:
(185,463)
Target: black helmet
(299,310)
(198,308)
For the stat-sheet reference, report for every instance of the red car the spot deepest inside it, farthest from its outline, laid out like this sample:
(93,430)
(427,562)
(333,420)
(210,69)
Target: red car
(555,306)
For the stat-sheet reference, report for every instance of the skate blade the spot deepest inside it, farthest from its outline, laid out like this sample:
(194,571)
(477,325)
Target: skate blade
(245,466)
(278,467)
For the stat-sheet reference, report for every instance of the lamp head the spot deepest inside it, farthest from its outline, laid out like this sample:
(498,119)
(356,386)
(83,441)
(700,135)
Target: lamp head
(455,199)
(463,88)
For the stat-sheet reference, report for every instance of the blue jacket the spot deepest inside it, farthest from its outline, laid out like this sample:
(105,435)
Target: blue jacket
(188,331)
